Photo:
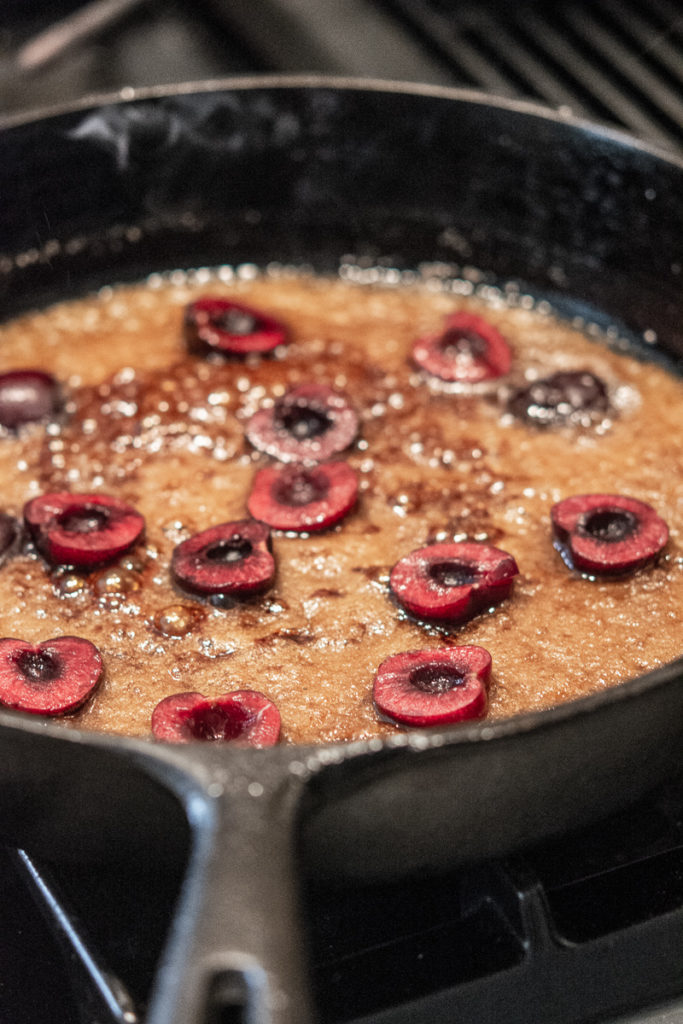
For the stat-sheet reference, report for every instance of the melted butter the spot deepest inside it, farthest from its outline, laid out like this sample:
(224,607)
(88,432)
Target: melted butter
(165,432)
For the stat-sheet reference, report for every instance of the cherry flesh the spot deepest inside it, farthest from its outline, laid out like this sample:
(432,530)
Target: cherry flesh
(570,397)
(245,718)
(27,396)
(220,325)
(50,678)
(469,350)
(434,687)
(229,559)
(607,534)
(450,583)
(303,500)
(310,423)
(82,529)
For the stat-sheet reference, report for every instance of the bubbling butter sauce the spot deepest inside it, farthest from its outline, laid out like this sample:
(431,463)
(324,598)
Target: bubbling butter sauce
(165,431)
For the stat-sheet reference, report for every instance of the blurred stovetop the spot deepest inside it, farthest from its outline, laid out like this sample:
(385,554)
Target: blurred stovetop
(619,62)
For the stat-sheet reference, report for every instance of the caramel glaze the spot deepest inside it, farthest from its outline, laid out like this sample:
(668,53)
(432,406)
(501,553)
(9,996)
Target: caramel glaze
(165,431)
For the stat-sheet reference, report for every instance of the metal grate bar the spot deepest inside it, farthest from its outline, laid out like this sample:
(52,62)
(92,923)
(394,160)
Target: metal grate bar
(537,73)
(669,15)
(485,72)
(581,67)
(653,41)
(442,32)
(628,63)
(612,59)
(353,37)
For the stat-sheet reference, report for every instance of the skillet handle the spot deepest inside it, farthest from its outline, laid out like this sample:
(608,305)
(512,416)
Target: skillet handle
(236,950)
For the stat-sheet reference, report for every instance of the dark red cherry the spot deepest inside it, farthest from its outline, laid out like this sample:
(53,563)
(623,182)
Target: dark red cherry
(310,423)
(608,534)
(433,687)
(469,350)
(49,678)
(9,534)
(27,396)
(303,500)
(232,558)
(452,582)
(570,397)
(221,325)
(82,529)
(244,717)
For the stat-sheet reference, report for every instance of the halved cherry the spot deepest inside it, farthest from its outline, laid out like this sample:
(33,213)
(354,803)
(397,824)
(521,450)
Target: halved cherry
(221,325)
(468,350)
(310,423)
(50,678)
(452,582)
(27,396)
(573,397)
(433,687)
(245,718)
(303,500)
(608,534)
(232,558)
(82,529)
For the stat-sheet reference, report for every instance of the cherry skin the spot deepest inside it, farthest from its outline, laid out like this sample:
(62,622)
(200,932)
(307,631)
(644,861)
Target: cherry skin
(449,583)
(27,396)
(243,718)
(220,325)
(229,559)
(469,350)
(310,423)
(82,530)
(303,500)
(434,687)
(9,535)
(54,677)
(571,397)
(607,534)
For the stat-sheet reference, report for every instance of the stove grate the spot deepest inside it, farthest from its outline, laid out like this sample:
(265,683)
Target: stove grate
(615,60)
(583,928)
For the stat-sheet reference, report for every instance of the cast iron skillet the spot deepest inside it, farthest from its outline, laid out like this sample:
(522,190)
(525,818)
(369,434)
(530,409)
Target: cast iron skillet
(311,170)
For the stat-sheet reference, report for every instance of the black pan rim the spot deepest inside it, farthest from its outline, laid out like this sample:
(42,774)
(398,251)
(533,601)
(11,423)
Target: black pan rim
(318,755)
(418,739)
(313,82)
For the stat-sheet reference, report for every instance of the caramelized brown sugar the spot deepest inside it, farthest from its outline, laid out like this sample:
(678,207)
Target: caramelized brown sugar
(164,431)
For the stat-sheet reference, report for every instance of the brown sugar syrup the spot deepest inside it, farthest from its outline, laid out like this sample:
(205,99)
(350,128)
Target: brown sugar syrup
(164,430)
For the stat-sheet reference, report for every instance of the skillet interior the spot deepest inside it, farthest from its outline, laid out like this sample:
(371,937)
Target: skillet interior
(309,171)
